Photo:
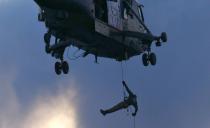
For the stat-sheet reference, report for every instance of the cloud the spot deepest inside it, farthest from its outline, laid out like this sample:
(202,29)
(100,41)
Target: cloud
(49,110)
(57,111)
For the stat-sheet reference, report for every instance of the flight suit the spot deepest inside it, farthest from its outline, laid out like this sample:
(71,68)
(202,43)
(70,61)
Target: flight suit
(131,100)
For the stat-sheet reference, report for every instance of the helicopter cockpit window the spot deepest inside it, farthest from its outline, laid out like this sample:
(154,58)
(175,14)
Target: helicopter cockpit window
(101,10)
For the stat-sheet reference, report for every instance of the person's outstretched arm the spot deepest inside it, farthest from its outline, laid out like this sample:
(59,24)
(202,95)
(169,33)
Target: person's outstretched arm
(127,89)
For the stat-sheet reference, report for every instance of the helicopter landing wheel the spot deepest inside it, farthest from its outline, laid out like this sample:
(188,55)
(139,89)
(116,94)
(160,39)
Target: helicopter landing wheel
(152,59)
(65,67)
(164,37)
(145,59)
(58,67)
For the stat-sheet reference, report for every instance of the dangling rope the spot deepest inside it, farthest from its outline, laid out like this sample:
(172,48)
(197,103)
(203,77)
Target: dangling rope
(123,75)
(122,72)
(124,79)
(134,122)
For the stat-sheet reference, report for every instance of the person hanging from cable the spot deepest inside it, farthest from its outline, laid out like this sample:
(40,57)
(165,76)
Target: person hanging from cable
(131,100)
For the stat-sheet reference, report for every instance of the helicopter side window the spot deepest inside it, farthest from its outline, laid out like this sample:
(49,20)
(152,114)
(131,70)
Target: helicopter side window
(101,10)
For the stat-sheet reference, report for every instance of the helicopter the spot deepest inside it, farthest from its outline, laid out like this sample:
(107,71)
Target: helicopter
(112,29)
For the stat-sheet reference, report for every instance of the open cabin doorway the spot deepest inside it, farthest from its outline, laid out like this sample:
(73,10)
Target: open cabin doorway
(101,12)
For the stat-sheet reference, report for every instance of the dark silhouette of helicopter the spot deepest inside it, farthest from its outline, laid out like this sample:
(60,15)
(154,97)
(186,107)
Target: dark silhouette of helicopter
(105,28)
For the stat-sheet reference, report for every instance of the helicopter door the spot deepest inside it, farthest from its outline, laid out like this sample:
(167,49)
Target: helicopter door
(114,19)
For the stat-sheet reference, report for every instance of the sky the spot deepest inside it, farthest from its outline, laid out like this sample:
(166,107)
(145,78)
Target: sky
(172,94)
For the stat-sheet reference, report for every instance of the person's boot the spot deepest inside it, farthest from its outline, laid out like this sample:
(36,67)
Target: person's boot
(103,112)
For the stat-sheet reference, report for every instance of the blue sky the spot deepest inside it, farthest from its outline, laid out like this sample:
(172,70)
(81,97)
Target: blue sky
(174,93)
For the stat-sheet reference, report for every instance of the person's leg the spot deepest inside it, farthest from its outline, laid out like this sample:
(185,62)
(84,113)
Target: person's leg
(117,107)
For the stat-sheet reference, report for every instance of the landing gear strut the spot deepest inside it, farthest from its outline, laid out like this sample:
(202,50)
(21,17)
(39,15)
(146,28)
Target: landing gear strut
(61,66)
(162,38)
(47,37)
(58,53)
(149,57)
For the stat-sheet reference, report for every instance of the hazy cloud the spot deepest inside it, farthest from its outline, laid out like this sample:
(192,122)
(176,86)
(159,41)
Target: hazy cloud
(48,110)
(57,111)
